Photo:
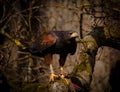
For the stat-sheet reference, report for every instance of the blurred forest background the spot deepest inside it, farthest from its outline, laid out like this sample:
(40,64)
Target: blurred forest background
(23,20)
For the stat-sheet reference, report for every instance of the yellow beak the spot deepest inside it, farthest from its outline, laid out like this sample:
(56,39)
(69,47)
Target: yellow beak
(74,34)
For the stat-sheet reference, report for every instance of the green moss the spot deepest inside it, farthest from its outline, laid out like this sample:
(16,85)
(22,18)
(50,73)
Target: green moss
(83,56)
(111,32)
(21,86)
(83,66)
(13,83)
(35,87)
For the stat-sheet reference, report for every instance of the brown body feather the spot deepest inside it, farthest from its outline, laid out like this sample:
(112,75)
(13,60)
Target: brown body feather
(55,42)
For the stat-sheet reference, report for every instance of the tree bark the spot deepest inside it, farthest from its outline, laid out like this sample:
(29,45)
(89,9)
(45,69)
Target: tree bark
(91,42)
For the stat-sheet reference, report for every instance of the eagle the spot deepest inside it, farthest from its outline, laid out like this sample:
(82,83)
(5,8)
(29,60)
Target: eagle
(54,42)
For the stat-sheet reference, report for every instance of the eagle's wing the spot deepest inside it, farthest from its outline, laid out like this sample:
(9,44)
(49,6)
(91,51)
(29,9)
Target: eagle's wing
(46,40)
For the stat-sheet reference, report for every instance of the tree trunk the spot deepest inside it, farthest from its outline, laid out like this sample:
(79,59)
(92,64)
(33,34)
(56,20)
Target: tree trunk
(91,42)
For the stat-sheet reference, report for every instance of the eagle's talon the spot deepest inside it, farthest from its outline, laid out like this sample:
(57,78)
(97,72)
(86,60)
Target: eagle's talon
(63,78)
(61,75)
(53,77)
(66,80)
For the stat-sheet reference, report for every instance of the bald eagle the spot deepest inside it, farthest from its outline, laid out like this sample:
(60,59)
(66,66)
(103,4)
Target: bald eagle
(54,42)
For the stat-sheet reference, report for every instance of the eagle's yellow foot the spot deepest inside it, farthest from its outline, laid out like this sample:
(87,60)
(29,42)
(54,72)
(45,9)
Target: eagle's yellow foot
(52,77)
(62,75)
(64,79)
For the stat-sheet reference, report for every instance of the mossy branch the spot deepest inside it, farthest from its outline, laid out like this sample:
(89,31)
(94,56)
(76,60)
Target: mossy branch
(17,42)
